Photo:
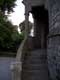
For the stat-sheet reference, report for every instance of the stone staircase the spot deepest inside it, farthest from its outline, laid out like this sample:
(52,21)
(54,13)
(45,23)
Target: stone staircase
(34,66)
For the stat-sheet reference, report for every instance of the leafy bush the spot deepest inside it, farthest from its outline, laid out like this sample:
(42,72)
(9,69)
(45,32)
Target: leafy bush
(10,39)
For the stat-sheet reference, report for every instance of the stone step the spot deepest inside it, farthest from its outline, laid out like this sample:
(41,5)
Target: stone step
(26,75)
(38,61)
(39,52)
(41,76)
(35,61)
(35,66)
(36,74)
(37,56)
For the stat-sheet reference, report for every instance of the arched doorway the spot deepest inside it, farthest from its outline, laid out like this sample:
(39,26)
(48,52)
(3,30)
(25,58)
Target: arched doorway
(41,27)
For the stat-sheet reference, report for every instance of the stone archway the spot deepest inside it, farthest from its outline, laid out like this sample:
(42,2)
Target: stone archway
(41,27)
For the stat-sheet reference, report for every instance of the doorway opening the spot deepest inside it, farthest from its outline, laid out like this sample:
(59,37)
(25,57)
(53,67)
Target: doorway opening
(41,28)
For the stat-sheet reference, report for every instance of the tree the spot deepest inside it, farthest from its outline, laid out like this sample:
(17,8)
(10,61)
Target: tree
(10,39)
(7,5)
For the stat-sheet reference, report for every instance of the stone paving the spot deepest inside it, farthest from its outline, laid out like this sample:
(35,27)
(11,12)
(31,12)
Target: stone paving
(5,71)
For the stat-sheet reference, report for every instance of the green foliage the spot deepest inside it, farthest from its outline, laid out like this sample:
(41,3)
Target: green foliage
(10,39)
(7,5)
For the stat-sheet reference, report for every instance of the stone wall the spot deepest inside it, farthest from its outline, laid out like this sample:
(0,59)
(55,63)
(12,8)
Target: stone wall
(54,40)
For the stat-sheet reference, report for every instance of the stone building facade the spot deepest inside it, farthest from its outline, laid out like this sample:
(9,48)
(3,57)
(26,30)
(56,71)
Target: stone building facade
(43,61)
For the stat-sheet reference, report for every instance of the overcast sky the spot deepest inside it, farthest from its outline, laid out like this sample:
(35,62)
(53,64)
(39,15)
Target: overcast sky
(18,15)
